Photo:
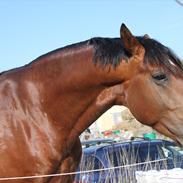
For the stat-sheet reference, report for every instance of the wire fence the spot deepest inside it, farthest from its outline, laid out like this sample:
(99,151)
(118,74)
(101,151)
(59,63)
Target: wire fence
(78,172)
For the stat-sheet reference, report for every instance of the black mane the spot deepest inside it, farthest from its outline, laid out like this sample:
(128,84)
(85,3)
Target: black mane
(108,51)
(111,51)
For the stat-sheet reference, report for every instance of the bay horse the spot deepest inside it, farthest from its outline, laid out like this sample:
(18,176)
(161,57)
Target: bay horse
(46,104)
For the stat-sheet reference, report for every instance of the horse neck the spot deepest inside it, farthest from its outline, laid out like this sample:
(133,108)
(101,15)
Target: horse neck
(72,68)
(76,91)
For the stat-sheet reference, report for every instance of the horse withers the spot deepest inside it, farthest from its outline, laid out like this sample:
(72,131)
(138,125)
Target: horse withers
(46,104)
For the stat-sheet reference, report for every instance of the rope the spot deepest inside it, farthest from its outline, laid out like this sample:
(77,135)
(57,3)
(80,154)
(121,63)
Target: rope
(78,172)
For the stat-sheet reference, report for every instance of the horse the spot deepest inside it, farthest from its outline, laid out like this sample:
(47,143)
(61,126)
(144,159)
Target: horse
(46,104)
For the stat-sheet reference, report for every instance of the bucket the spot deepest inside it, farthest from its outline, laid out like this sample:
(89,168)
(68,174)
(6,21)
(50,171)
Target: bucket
(150,135)
(116,132)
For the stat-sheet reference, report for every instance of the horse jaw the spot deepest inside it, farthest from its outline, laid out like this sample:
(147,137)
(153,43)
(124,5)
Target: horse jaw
(173,121)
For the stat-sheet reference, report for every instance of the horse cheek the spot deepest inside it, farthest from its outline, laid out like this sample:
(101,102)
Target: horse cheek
(141,103)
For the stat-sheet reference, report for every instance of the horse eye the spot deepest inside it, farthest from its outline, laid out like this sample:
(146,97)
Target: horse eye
(160,77)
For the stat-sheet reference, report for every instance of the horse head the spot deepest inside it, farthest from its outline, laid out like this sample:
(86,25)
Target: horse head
(154,92)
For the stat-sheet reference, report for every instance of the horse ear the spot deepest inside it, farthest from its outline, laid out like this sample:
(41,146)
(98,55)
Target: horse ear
(131,44)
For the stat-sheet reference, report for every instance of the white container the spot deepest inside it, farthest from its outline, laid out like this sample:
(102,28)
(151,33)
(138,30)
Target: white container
(163,176)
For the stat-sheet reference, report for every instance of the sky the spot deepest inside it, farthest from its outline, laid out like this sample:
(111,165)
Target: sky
(31,28)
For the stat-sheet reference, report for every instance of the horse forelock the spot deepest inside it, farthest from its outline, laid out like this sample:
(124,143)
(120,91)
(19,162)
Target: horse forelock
(156,54)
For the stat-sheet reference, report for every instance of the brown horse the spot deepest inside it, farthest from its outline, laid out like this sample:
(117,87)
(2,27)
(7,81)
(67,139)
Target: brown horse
(47,104)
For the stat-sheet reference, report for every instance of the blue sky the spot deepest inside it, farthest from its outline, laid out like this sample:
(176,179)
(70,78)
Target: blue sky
(30,28)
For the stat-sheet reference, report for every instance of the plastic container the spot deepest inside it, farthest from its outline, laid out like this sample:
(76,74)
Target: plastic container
(150,135)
